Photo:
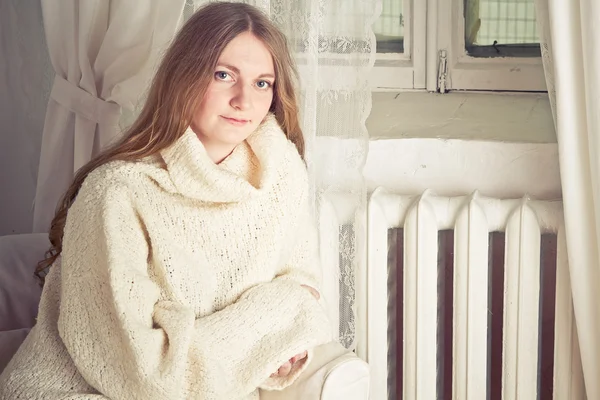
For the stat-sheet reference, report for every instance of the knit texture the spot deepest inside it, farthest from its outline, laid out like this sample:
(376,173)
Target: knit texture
(179,279)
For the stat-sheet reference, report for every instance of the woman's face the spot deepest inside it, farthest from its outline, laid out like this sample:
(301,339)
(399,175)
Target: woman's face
(238,97)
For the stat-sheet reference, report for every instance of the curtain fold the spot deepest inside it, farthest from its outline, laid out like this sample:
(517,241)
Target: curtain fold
(104,53)
(570,37)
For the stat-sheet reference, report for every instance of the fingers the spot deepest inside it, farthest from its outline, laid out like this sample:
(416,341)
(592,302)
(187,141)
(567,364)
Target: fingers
(286,368)
(298,357)
(313,291)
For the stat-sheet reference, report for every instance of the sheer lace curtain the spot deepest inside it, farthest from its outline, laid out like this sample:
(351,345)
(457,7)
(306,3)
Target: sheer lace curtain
(570,33)
(334,47)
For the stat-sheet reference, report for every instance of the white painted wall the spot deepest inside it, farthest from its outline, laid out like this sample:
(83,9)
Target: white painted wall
(452,167)
(503,117)
(502,145)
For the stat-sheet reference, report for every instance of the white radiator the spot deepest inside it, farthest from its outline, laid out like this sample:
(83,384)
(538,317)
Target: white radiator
(472,218)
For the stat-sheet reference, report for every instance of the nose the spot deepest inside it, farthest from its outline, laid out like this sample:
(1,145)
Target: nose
(242,97)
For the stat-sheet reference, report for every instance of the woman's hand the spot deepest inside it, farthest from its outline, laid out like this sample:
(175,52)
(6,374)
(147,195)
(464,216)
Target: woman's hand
(286,368)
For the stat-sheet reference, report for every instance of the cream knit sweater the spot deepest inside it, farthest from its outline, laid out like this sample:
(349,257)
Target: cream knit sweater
(179,279)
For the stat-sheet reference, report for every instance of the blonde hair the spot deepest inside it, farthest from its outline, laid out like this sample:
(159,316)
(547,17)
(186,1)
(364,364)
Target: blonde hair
(177,90)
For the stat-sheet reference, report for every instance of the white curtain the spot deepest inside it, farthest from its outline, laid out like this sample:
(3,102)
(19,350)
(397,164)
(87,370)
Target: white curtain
(103,53)
(570,37)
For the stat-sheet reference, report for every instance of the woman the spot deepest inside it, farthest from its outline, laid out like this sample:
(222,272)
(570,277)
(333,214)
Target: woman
(184,263)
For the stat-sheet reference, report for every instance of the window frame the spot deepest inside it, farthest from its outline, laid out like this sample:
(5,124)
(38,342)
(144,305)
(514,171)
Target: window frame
(407,70)
(477,73)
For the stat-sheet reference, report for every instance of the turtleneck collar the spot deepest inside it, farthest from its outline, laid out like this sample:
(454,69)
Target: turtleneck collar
(248,171)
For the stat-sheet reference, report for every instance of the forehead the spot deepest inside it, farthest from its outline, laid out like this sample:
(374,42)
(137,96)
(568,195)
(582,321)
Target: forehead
(248,54)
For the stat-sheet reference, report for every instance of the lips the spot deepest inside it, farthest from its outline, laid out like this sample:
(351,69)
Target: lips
(235,121)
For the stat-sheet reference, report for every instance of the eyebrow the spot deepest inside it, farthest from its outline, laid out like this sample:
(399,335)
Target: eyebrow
(237,71)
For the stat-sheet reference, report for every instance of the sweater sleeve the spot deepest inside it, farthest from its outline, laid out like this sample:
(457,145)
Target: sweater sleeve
(301,263)
(129,343)
(302,267)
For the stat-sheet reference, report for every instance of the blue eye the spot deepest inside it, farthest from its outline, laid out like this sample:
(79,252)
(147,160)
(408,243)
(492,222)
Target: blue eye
(222,75)
(263,84)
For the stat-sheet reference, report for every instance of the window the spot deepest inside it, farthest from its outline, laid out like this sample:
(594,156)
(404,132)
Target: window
(400,34)
(501,28)
(467,44)
(389,28)
(473,63)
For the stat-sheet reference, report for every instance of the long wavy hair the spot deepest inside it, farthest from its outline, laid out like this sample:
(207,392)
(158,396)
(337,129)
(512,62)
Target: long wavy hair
(177,90)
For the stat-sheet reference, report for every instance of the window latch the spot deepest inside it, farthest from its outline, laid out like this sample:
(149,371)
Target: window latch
(443,71)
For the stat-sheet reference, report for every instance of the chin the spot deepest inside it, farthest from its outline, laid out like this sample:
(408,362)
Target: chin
(236,136)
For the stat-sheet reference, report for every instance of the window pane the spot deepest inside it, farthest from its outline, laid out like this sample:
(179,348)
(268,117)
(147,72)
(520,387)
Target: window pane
(389,28)
(504,27)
